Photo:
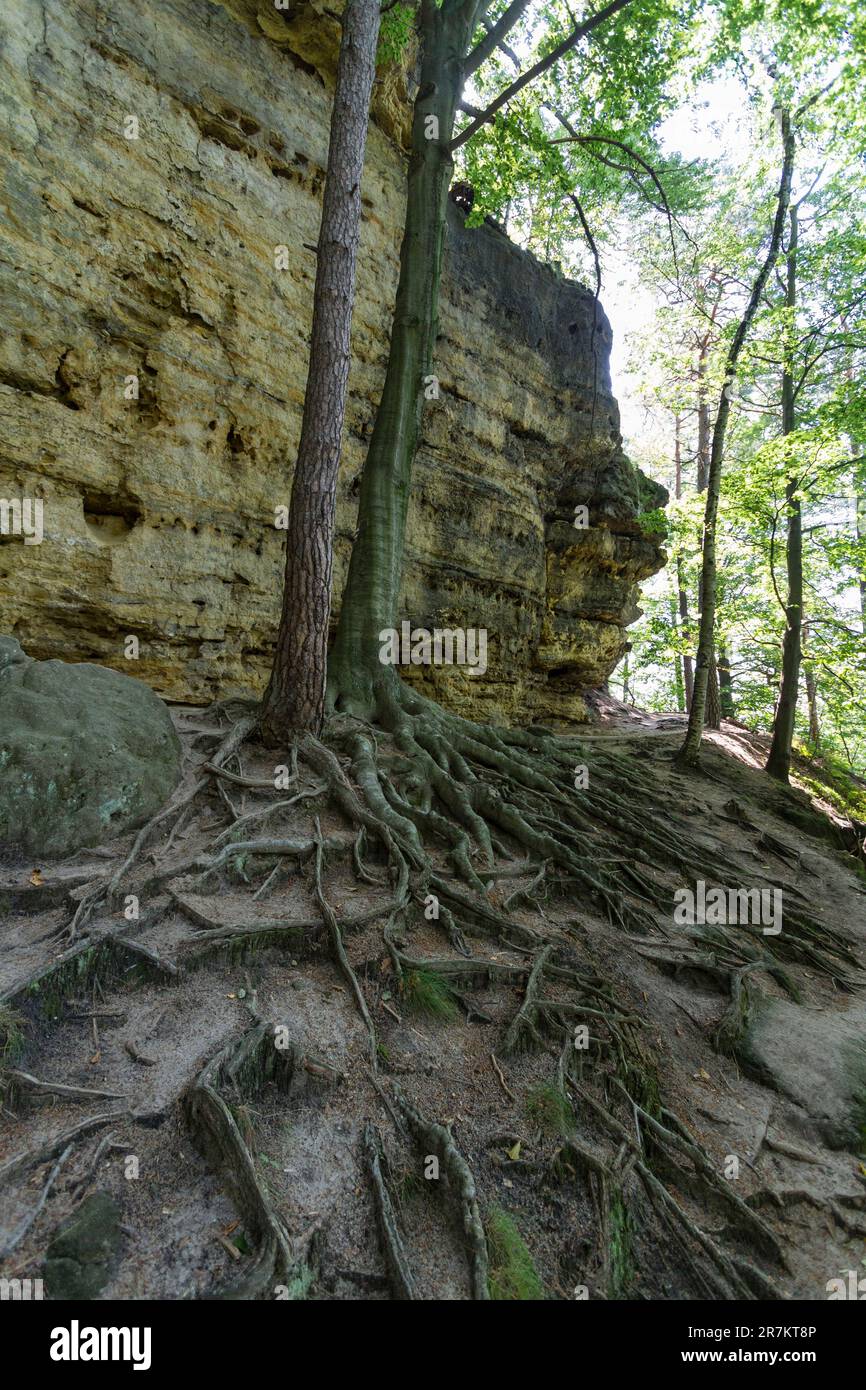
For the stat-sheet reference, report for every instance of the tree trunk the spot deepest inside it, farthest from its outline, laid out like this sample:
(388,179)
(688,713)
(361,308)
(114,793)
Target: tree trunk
(690,751)
(860,528)
(713,718)
(726,684)
(685,622)
(811,694)
(679,688)
(295,697)
(703,419)
(373,584)
(779,759)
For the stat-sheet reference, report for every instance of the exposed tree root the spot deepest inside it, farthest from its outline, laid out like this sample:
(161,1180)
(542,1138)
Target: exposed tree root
(25,1224)
(436,1139)
(33,1158)
(402,1282)
(241,1069)
(440,811)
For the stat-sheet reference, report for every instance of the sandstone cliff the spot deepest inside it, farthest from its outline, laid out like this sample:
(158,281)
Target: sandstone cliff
(154,258)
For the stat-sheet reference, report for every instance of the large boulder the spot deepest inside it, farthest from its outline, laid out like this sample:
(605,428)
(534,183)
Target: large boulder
(85,754)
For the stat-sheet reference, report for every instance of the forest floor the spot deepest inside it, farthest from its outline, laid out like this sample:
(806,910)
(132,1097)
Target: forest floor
(115,1044)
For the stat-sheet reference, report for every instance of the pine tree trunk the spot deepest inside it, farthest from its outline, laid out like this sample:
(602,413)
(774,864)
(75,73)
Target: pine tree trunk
(779,759)
(373,584)
(690,751)
(295,697)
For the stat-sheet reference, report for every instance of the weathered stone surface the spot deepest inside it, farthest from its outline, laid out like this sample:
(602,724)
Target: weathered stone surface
(85,753)
(154,258)
(79,1258)
(819,1060)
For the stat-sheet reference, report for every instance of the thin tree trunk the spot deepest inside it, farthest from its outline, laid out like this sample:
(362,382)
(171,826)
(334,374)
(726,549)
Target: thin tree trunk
(860,528)
(811,694)
(726,684)
(295,697)
(679,687)
(703,419)
(685,621)
(713,718)
(690,751)
(779,759)
(373,583)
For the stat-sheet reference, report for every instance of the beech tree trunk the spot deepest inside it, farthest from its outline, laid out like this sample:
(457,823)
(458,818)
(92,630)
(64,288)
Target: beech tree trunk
(375,570)
(295,697)
(690,751)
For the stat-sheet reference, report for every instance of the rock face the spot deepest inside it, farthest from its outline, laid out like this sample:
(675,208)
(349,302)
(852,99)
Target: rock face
(163,160)
(85,753)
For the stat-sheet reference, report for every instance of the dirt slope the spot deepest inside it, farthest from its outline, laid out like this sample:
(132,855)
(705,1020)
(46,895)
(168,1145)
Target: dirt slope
(152,1022)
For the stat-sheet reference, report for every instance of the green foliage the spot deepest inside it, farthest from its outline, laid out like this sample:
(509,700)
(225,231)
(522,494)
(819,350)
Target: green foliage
(855,1063)
(395,32)
(822,342)
(512,1272)
(549,1110)
(654,523)
(11,1035)
(427,993)
(621,1230)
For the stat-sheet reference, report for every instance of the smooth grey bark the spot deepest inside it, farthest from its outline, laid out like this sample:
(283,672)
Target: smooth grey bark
(375,569)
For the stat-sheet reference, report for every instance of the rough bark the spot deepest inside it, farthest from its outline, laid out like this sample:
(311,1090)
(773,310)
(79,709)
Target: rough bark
(295,697)
(779,759)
